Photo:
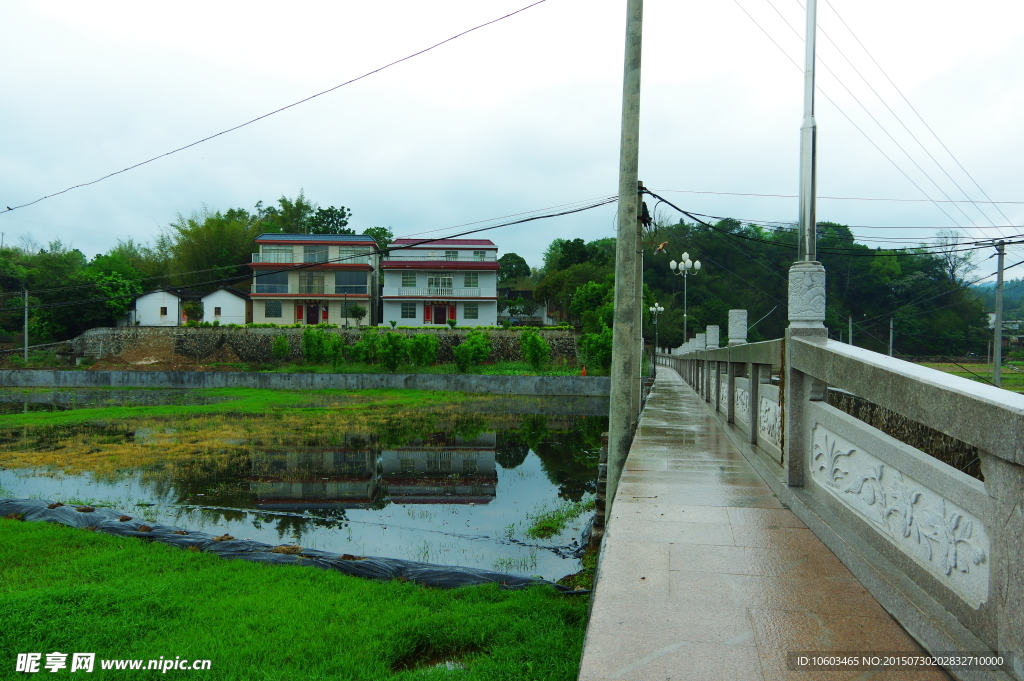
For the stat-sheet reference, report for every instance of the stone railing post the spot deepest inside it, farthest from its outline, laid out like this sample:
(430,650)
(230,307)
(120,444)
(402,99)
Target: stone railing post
(711,342)
(701,368)
(806,320)
(737,327)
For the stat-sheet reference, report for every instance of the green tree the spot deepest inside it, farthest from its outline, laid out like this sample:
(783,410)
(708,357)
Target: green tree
(536,351)
(474,349)
(394,350)
(382,235)
(193,310)
(423,349)
(512,267)
(357,312)
(328,220)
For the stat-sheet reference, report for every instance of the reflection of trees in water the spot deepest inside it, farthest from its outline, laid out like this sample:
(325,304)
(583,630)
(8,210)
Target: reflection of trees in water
(218,477)
(510,451)
(569,456)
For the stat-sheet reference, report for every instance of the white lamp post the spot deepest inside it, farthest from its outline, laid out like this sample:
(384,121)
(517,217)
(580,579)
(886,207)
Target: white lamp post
(655,311)
(685,268)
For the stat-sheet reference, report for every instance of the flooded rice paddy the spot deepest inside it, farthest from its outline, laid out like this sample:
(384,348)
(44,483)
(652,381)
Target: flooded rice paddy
(453,484)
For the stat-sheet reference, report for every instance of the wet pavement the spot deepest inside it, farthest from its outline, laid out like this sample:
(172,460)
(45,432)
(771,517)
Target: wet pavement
(705,575)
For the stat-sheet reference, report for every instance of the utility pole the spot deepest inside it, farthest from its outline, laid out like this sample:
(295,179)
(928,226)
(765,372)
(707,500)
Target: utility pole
(850,322)
(997,347)
(26,326)
(808,147)
(625,362)
(891,336)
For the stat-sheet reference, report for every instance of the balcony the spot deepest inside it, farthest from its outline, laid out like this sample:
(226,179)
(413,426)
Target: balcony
(424,256)
(435,292)
(307,258)
(310,289)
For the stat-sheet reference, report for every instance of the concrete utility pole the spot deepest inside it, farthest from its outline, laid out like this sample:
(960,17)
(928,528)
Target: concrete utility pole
(891,336)
(850,322)
(625,362)
(26,327)
(997,346)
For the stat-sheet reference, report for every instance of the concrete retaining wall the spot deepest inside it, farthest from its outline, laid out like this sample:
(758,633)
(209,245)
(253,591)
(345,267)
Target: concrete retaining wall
(255,344)
(499,385)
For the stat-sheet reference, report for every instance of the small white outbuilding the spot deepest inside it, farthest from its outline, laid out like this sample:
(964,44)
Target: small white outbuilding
(227,306)
(156,308)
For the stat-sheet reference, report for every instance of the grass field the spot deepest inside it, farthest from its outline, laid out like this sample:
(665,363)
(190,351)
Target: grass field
(69,590)
(982,373)
(255,401)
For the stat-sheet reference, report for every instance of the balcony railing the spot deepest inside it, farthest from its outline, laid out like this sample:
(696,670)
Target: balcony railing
(440,257)
(310,289)
(436,292)
(306,258)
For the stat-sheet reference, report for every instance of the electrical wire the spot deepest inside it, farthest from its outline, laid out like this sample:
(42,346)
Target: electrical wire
(845,115)
(301,266)
(919,116)
(838,198)
(279,110)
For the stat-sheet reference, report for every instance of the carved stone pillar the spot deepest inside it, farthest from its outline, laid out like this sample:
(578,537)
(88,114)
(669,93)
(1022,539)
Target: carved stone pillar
(737,327)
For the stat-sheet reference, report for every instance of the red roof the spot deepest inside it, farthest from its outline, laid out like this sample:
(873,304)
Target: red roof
(440,243)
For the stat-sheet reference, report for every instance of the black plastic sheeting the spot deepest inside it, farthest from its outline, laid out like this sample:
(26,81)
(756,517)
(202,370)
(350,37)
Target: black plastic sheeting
(370,567)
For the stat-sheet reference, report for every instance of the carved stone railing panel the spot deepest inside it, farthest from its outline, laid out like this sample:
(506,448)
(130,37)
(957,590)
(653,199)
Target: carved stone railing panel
(945,539)
(742,398)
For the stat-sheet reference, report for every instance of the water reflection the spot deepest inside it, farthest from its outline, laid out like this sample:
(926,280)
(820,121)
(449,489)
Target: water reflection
(447,488)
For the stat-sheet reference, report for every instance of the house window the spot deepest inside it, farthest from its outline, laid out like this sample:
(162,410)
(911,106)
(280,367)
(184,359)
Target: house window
(480,255)
(471,311)
(451,255)
(272,308)
(163,311)
(277,254)
(440,283)
(349,282)
(471,280)
(311,282)
(275,282)
(407,466)
(216,312)
(469,466)
(409,279)
(314,254)
(408,310)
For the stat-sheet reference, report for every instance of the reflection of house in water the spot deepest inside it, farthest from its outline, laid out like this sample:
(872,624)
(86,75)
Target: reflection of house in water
(314,478)
(442,470)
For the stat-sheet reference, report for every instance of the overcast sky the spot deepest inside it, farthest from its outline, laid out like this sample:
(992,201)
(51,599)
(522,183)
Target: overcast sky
(518,116)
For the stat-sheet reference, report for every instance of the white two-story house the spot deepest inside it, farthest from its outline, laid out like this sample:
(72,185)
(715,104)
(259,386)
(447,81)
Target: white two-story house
(450,279)
(314,278)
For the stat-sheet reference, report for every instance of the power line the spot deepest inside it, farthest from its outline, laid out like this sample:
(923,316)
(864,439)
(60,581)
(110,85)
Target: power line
(837,198)
(299,266)
(905,127)
(919,116)
(283,108)
(877,122)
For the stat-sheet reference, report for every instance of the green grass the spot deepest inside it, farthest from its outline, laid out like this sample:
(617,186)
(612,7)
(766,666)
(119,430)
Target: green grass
(77,591)
(493,369)
(982,373)
(251,401)
(549,523)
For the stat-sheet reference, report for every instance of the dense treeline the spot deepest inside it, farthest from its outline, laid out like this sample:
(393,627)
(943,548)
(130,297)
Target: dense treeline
(69,293)
(745,266)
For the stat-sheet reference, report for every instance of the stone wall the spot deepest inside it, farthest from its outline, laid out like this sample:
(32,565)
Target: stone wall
(254,344)
(579,386)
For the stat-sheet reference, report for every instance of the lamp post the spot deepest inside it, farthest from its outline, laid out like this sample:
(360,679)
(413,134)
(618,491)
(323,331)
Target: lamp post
(685,268)
(655,311)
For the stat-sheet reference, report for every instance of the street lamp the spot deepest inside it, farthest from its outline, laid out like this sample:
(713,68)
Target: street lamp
(655,311)
(685,268)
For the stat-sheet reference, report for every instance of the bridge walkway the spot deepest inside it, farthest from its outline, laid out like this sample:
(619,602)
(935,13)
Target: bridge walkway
(705,575)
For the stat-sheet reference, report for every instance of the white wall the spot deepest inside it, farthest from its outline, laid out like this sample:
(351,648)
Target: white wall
(487,311)
(231,306)
(147,309)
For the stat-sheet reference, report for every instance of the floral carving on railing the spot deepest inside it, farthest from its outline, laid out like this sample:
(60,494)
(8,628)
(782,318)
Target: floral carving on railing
(742,406)
(769,421)
(723,402)
(947,542)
